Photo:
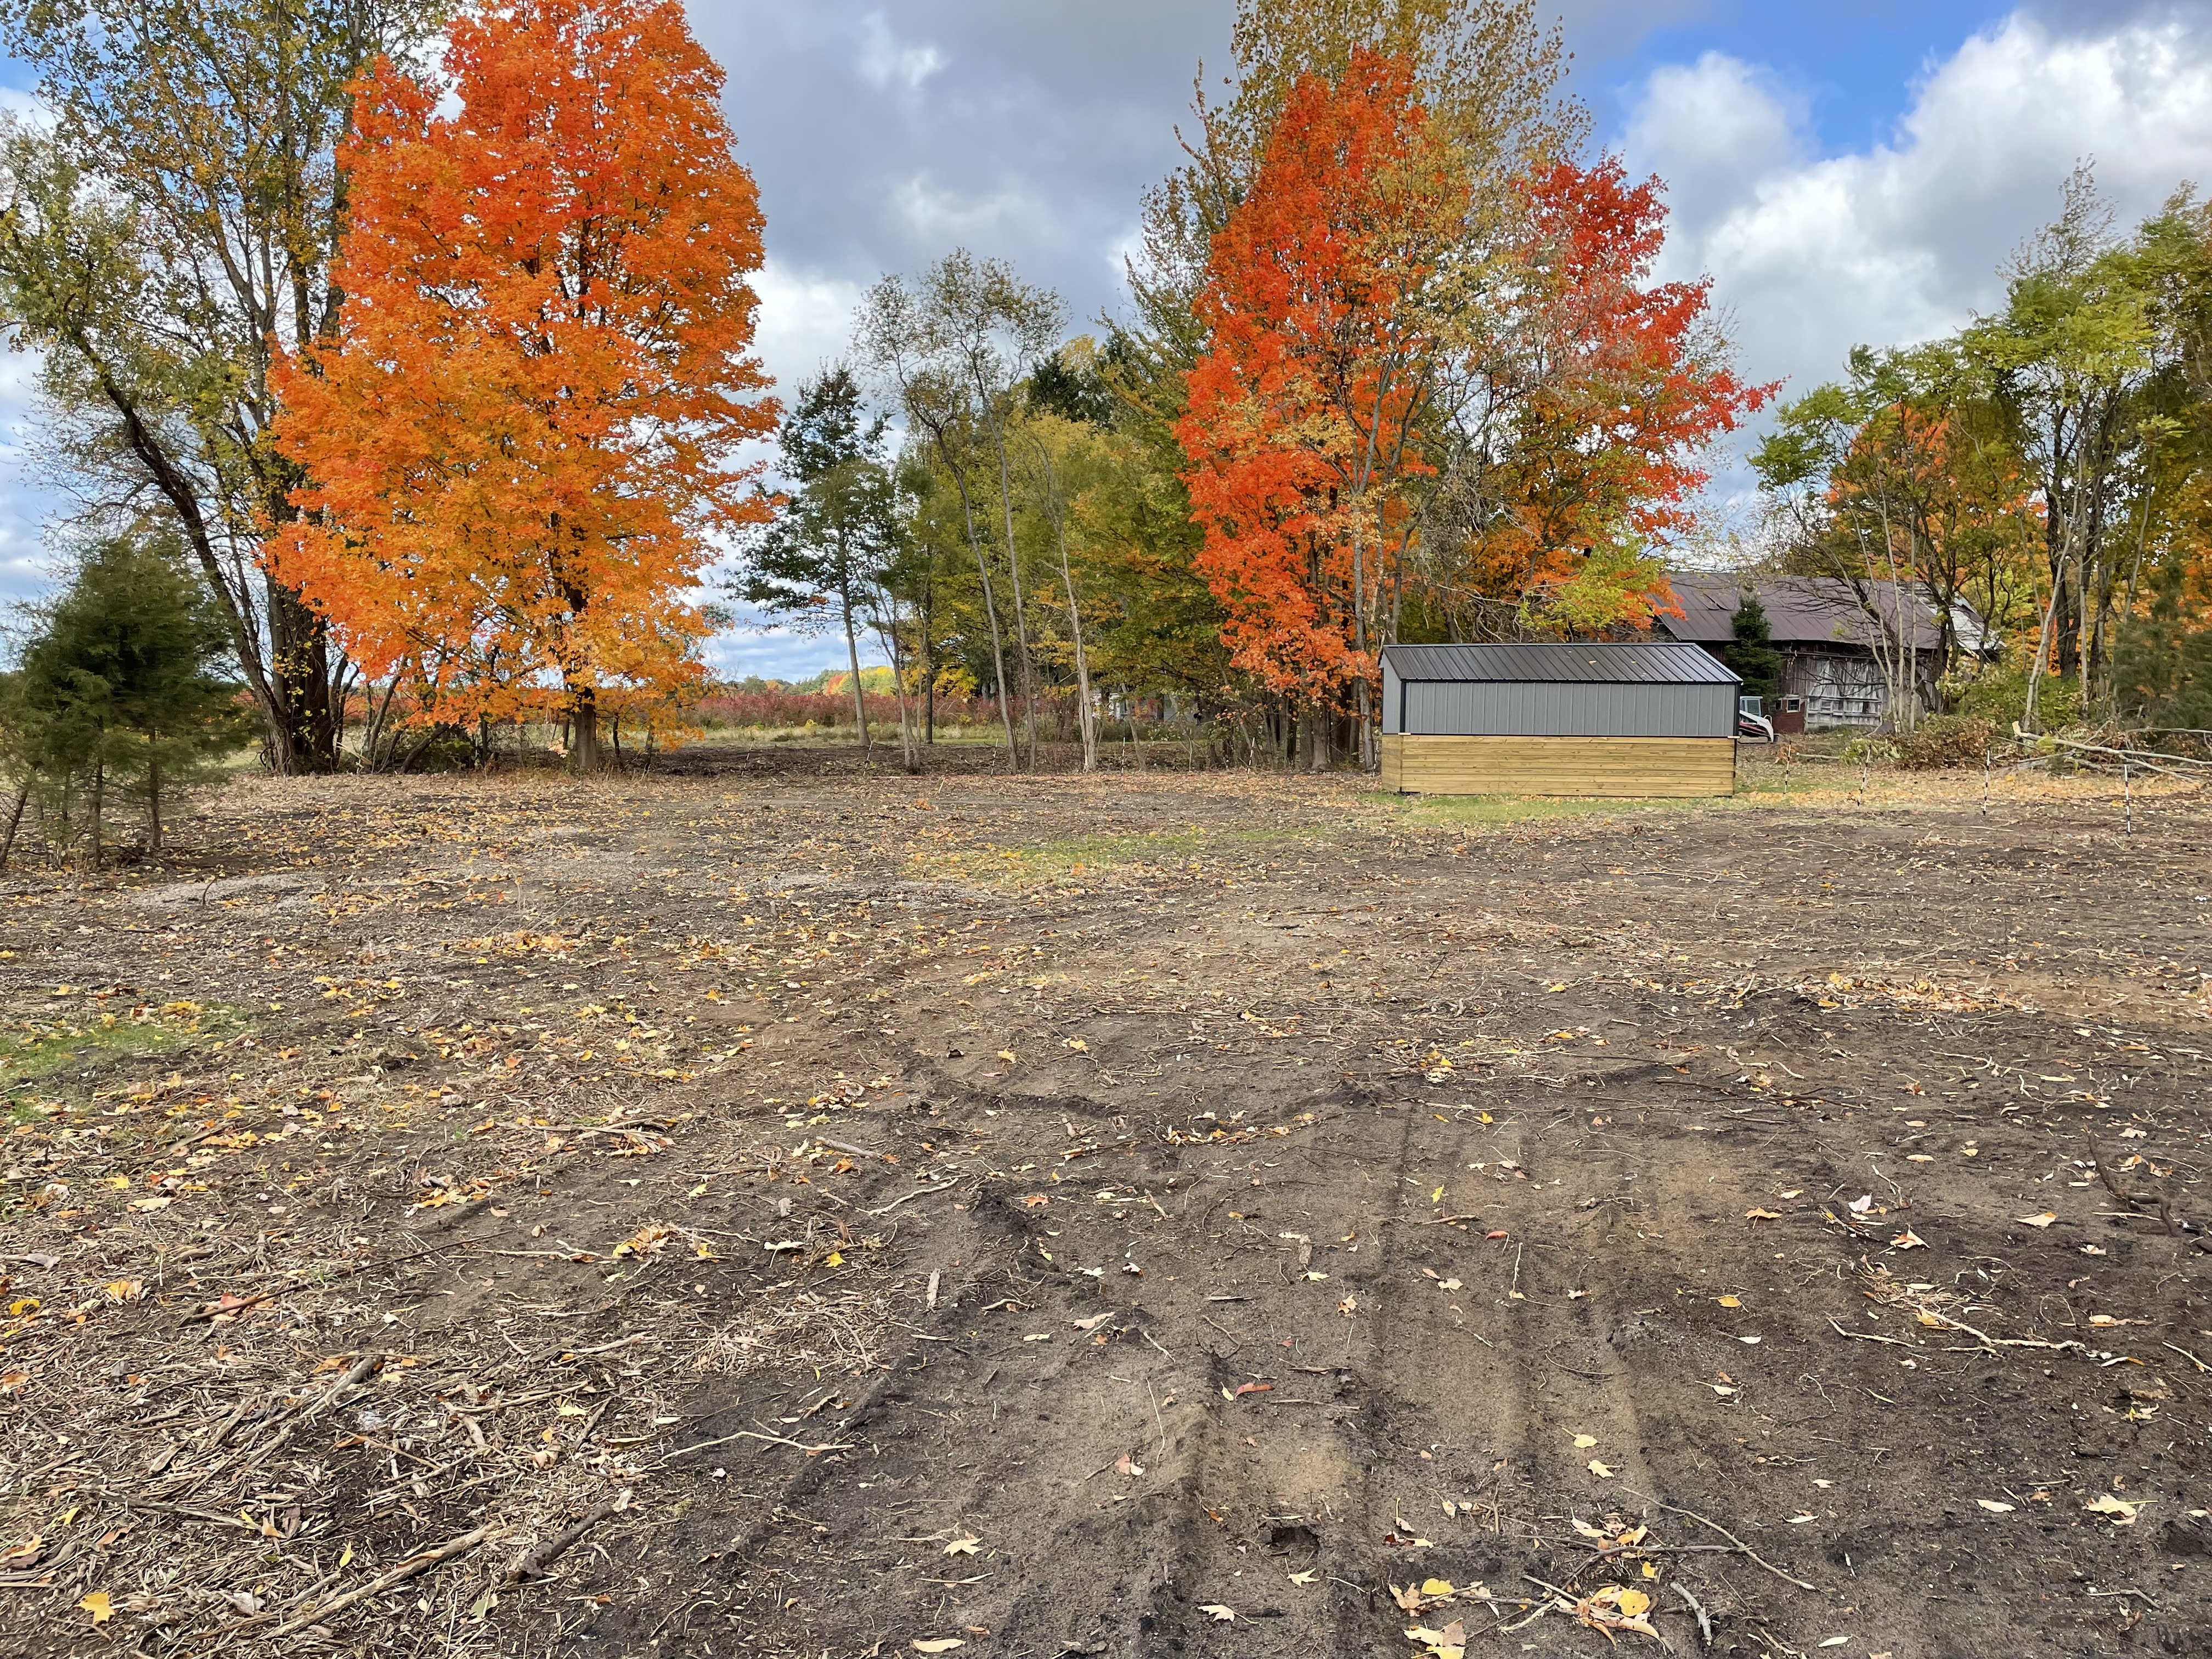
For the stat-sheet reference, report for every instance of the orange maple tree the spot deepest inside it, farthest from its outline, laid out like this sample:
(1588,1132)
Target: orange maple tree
(1369,331)
(1610,385)
(1302,423)
(526,434)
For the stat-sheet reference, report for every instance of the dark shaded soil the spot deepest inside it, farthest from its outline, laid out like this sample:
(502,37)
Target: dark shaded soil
(1221,1200)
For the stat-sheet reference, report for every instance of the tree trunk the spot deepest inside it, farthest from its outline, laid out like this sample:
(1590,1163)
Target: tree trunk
(860,700)
(14,823)
(1090,716)
(300,661)
(1021,617)
(584,730)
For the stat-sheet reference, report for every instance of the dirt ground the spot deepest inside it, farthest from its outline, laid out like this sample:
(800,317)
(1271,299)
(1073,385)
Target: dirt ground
(764,1209)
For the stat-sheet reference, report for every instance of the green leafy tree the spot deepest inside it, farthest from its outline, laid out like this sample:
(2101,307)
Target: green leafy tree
(826,555)
(161,243)
(119,693)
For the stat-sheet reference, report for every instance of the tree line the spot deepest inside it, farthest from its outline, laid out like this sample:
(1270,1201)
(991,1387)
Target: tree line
(2048,468)
(419,346)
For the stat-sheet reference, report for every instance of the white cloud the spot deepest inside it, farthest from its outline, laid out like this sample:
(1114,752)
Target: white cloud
(805,321)
(884,60)
(1901,242)
(940,217)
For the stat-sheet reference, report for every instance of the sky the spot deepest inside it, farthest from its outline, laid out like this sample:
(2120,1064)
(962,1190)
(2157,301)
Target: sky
(1845,171)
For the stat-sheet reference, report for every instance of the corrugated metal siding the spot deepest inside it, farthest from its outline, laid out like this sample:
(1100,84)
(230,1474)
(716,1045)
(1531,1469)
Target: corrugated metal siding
(1639,665)
(1392,720)
(1569,710)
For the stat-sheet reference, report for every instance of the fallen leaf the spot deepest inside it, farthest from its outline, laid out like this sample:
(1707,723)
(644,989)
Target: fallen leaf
(1093,1322)
(1584,1442)
(1795,1192)
(1589,1531)
(1435,1587)
(97,1605)
(964,1546)
(1006,1054)
(1307,1576)
(2122,1514)
(1731,1302)
(1499,1234)
(1760,1215)
(1214,1609)
(2042,1220)
(942,1645)
(1861,1204)
(1127,1465)
(1632,1604)
(1447,1285)
(1993,1506)
(1600,1470)
(1243,1388)
(1035,1199)
(1909,1240)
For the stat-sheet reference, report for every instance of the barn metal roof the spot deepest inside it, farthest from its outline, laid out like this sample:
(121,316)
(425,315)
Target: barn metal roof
(1595,665)
(1810,612)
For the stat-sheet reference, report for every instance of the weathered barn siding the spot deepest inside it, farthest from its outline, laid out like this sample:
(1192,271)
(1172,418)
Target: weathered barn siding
(1620,767)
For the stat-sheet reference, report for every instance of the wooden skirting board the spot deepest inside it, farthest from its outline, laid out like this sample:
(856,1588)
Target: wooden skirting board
(1623,767)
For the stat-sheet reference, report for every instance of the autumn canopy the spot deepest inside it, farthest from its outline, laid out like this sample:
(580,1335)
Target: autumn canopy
(523,441)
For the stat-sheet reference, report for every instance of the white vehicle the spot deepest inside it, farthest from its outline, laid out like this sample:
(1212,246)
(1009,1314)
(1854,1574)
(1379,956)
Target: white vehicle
(1752,724)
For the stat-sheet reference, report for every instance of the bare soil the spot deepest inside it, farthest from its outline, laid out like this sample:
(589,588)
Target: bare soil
(763,1208)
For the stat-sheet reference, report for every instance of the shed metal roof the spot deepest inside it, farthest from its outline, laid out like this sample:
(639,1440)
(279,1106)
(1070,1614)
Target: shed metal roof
(1595,664)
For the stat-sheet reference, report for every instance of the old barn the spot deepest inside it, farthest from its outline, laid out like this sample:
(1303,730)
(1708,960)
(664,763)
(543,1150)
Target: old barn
(1557,720)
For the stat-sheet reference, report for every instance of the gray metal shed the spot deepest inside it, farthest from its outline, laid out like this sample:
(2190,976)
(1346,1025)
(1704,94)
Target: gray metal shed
(1605,720)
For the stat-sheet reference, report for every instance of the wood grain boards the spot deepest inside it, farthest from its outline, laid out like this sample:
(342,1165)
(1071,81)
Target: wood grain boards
(1615,768)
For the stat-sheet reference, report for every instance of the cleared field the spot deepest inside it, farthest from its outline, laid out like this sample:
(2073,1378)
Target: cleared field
(778,1209)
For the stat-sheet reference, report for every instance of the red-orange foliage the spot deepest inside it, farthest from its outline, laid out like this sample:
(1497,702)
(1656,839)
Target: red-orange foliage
(1301,420)
(1364,331)
(524,435)
(1617,385)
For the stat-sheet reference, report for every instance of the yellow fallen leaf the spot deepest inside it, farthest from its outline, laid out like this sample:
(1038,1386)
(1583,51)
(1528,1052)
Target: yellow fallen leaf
(941,1644)
(1760,1215)
(97,1605)
(1435,1587)
(1632,1604)
(2122,1514)
(1078,1045)
(1584,1442)
(1006,1054)
(1436,1197)
(2042,1220)
(1731,1302)
(1600,1470)
(964,1546)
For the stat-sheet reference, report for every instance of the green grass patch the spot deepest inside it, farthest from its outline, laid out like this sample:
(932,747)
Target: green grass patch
(1485,811)
(1074,859)
(81,1044)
